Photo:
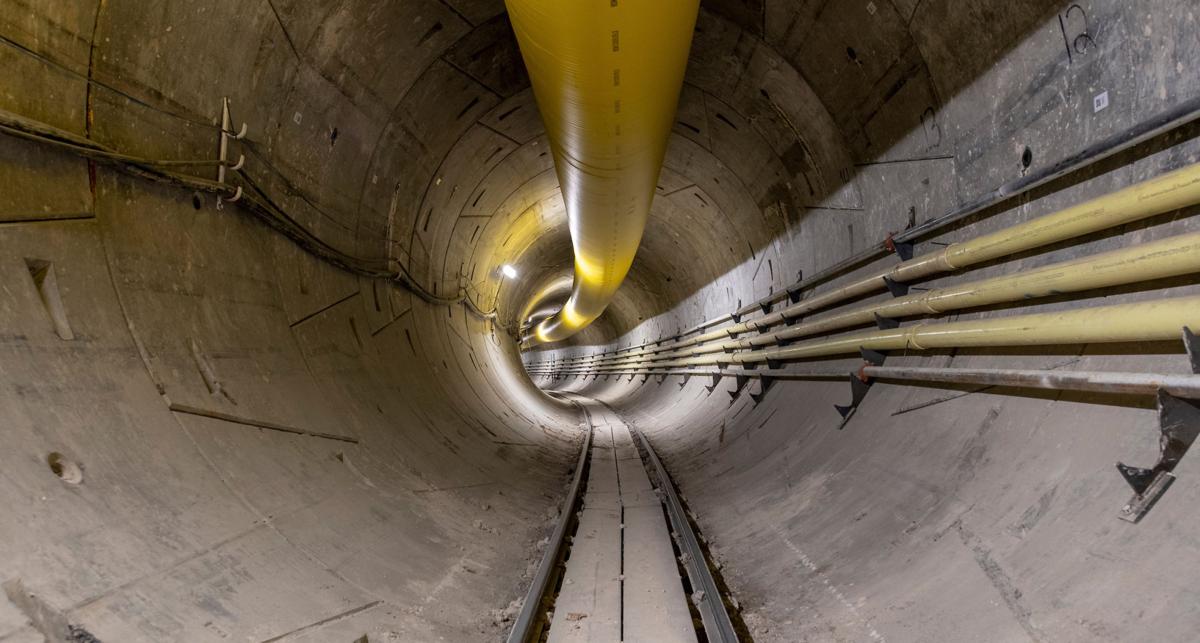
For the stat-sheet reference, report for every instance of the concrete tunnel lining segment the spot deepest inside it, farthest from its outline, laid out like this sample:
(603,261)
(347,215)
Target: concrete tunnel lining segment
(404,134)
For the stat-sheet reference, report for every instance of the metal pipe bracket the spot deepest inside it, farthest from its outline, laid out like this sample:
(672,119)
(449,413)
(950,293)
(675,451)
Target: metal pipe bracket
(1179,423)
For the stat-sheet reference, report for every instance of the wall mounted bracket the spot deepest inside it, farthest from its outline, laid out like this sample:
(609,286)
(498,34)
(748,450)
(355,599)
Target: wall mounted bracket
(859,384)
(903,249)
(739,385)
(875,358)
(858,390)
(1179,422)
(227,134)
(716,379)
(895,287)
(885,323)
(764,385)
(794,293)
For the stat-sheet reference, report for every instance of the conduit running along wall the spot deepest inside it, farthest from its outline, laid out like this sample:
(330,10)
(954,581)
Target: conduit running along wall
(1169,257)
(1155,196)
(1141,321)
(606,76)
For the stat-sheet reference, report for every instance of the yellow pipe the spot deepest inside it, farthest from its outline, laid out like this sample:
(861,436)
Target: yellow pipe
(556,288)
(1170,257)
(1141,321)
(1164,193)
(606,76)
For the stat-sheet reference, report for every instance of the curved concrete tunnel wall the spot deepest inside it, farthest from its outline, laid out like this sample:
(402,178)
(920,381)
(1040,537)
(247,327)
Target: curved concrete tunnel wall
(405,132)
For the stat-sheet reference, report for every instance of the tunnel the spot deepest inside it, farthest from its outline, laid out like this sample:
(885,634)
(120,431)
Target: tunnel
(905,352)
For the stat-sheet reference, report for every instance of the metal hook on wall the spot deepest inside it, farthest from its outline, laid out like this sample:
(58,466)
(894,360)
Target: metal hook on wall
(227,133)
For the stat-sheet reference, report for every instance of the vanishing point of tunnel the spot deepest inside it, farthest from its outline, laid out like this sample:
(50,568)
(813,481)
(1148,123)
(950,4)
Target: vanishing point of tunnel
(367,321)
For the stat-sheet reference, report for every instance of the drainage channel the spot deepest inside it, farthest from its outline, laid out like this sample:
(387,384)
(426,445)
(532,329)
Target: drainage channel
(613,569)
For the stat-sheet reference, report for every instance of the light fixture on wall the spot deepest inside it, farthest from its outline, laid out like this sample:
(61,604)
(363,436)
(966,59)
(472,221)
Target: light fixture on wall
(508,271)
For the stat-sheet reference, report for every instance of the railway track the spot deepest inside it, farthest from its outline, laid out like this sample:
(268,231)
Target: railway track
(623,563)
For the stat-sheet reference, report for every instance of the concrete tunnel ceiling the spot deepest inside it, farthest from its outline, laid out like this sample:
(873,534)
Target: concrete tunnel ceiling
(292,406)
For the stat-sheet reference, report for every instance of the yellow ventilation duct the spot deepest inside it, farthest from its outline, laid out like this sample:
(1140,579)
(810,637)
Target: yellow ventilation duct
(606,75)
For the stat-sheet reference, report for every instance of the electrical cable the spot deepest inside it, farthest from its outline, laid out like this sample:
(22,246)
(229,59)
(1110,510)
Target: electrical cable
(254,199)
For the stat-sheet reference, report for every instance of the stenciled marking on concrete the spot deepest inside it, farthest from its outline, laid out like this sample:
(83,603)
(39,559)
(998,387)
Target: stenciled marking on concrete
(863,621)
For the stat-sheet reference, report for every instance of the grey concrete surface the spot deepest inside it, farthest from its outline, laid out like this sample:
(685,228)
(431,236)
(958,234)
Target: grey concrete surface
(621,581)
(589,604)
(405,133)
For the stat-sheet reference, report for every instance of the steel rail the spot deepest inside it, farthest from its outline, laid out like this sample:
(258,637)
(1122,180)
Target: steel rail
(718,628)
(1187,386)
(1114,382)
(523,625)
